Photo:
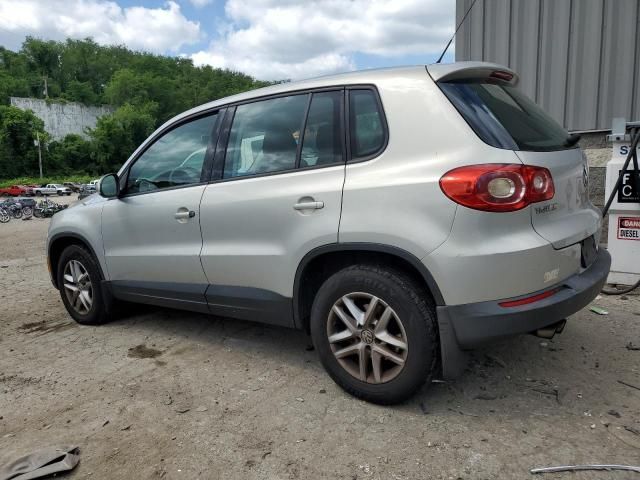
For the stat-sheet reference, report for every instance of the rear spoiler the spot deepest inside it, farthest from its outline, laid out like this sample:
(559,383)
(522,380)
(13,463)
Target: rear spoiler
(440,72)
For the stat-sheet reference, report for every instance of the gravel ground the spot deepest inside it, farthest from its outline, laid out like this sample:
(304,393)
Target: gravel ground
(167,394)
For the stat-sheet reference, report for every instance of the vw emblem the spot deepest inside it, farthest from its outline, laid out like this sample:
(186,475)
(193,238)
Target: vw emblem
(367,337)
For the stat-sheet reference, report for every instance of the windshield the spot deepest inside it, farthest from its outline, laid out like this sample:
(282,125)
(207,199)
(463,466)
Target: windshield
(504,117)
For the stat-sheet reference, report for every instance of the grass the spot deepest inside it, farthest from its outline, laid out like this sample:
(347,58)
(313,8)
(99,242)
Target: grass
(75,178)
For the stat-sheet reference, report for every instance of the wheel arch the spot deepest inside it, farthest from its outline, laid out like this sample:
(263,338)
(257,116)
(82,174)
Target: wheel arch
(56,246)
(321,262)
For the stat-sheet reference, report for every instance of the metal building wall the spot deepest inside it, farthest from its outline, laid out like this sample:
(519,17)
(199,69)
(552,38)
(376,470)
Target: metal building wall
(579,59)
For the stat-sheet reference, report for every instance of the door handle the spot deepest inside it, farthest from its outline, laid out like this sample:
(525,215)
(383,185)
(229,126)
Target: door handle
(308,206)
(184,214)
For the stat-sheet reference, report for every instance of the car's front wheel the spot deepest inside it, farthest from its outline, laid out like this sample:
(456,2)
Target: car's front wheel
(79,281)
(375,331)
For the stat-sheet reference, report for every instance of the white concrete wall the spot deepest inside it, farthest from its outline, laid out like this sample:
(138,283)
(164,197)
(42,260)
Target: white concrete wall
(61,119)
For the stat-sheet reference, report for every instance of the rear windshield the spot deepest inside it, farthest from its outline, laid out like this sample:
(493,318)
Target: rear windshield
(504,117)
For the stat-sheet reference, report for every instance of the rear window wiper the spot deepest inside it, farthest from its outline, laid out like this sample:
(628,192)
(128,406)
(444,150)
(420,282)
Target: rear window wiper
(572,140)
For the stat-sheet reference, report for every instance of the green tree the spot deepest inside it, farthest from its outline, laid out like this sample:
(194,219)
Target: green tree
(70,155)
(147,89)
(116,136)
(44,57)
(81,92)
(18,154)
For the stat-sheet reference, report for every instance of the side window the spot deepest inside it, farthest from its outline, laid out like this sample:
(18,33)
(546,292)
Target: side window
(365,123)
(264,136)
(322,142)
(175,159)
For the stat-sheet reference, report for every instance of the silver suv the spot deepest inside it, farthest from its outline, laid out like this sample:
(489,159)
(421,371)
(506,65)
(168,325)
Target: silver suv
(401,216)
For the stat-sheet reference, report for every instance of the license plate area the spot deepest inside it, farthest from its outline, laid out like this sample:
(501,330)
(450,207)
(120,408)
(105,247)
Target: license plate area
(589,251)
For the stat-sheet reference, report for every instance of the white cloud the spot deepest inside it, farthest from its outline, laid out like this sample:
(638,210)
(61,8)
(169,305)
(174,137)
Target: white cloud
(153,29)
(200,3)
(279,39)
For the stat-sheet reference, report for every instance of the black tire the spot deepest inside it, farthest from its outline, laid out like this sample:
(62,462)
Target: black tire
(38,193)
(101,307)
(68,194)
(414,308)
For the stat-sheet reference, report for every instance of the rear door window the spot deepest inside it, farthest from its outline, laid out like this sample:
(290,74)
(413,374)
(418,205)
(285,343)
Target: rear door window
(323,133)
(264,136)
(504,117)
(366,124)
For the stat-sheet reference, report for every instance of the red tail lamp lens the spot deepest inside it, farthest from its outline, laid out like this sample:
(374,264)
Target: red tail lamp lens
(531,299)
(496,187)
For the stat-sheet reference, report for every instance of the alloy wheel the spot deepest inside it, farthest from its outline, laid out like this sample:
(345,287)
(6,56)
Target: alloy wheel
(78,287)
(367,338)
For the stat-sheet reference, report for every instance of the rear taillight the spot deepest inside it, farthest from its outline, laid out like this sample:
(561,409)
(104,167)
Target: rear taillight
(497,187)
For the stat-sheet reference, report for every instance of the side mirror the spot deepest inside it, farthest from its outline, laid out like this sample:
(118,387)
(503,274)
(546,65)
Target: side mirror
(109,187)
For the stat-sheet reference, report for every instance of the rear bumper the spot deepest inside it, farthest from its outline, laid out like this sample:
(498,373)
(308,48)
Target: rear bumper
(474,324)
(478,323)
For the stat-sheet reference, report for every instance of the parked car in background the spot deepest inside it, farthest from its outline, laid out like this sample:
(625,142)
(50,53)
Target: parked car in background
(27,202)
(86,190)
(52,189)
(13,190)
(401,216)
(74,187)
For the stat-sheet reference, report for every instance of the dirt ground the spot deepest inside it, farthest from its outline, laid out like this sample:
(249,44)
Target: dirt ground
(167,394)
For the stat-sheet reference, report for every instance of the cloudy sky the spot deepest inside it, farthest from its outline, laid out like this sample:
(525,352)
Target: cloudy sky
(269,39)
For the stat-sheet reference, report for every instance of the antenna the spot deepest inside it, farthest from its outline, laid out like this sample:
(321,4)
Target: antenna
(457,28)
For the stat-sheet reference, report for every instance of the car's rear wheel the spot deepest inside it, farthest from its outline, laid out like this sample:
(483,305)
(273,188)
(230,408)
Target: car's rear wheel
(79,281)
(375,331)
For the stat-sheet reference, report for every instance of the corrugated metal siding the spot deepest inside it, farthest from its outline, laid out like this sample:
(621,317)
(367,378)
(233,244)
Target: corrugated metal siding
(579,59)
(553,55)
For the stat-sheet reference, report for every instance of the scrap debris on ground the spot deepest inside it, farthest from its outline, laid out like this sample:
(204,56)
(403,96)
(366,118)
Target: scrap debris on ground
(41,463)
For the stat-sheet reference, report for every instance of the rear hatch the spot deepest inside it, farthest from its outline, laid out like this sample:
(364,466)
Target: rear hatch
(569,216)
(503,117)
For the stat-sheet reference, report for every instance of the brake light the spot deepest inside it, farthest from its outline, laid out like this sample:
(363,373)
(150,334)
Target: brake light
(497,187)
(500,75)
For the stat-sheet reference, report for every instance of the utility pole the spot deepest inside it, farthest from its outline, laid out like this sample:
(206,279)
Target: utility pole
(39,153)
(46,88)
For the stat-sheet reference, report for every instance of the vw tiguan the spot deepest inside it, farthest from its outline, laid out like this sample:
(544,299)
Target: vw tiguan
(400,216)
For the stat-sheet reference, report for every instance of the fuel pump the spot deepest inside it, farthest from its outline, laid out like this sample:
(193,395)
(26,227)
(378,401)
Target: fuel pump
(622,190)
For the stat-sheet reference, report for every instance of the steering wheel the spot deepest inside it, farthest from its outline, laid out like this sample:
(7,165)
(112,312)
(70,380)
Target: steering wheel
(144,185)
(183,176)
